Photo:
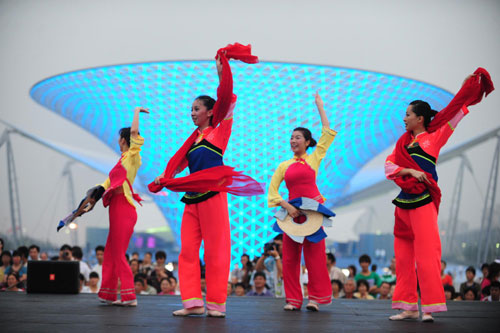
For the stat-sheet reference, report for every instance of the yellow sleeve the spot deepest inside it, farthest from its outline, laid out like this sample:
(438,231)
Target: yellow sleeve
(135,145)
(324,142)
(273,196)
(106,183)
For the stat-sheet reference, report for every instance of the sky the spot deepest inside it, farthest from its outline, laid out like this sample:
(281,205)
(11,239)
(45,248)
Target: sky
(438,42)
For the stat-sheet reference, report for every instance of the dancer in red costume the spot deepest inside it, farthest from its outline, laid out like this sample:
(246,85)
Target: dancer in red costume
(412,165)
(118,194)
(299,174)
(206,214)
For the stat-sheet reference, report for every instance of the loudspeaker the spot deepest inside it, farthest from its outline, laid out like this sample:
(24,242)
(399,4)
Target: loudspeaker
(53,277)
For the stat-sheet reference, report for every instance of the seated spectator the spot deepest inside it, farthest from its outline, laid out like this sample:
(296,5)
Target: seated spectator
(493,275)
(494,292)
(173,285)
(203,283)
(160,258)
(337,286)
(34,251)
(147,289)
(77,253)
(362,292)
(259,284)
(352,271)
(135,255)
(157,275)
(6,261)
(147,265)
(239,289)
(13,283)
(240,274)
(139,285)
(134,266)
(390,276)
(446,279)
(229,289)
(372,278)
(335,272)
(449,292)
(165,287)
(44,256)
(349,288)
(470,294)
(93,287)
(99,255)
(384,291)
(65,252)
(470,274)
(16,267)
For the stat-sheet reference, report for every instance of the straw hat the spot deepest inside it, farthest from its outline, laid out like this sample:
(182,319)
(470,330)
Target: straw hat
(303,225)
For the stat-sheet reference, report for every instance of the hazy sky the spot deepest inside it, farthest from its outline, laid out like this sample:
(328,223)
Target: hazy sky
(438,42)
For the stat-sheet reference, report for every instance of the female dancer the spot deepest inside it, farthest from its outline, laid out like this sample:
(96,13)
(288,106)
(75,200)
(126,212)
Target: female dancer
(118,194)
(412,165)
(299,174)
(206,214)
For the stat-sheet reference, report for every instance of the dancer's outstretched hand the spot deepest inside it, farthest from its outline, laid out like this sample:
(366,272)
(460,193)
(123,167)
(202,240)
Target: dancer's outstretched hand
(318,100)
(141,110)
(468,77)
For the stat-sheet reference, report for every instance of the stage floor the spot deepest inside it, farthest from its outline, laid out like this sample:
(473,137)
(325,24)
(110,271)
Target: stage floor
(20,312)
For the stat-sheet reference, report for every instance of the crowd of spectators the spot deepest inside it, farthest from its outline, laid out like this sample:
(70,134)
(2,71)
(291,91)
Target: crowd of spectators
(261,276)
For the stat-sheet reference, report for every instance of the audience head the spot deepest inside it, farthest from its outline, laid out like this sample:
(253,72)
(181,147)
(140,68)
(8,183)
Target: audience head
(173,282)
(495,290)
(373,268)
(349,286)
(352,271)
(12,280)
(34,251)
(139,284)
(239,289)
(336,286)
(44,256)
(135,255)
(2,245)
(143,277)
(363,286)
(24,252)
(6,258)
(160,257)
(165,285)
(470,273)
(16,258)
(485,269)
(77,253)
(93,279)
(330,259)
(65,252)
(134,266)
(443,266)
(364,262)
(99,254)
(259,280)
(81,279)
(385,289)
(147,258)
(493,271)
(392,266)
(470,294)
(245,259)
(449,292)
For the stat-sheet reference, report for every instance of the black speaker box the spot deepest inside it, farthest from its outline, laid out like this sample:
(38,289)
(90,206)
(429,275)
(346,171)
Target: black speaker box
(53,277)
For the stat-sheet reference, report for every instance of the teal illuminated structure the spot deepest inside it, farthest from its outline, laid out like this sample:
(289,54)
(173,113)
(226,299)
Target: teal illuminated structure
(366,108)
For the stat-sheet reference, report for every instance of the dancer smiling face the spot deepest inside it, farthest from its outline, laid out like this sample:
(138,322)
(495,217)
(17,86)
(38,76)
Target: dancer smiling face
(300,140)
(201,112)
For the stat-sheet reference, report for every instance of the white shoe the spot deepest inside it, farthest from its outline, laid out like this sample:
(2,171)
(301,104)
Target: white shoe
(411,315)
(125,303)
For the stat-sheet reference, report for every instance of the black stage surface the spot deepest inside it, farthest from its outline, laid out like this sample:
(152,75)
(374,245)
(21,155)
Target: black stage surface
(20,312)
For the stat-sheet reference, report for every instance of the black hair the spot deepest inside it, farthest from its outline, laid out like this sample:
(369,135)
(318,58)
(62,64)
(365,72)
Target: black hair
(139,279)
(172,278)
(278,237)
(65,247)
(493,271)
(2,242)
(485,265)
(142,276)
(239,284)
(354,269)
(421,108)
(23,250)
(134,260)
(15,253)
(451,289)
(260,274)
(207,101)
(365,258)
(34,247)
(245,255)
(494,284)
(363,281)
(160,255)
(444,262)
(5,252)
(471,269)
(338,282)
(99,248)
(125,134)
(151,254)
(374,268)
(331,256)
(307,136)
(77,252)
(127,256)
(93,275)
(467,289)
(81,277)
(386,282)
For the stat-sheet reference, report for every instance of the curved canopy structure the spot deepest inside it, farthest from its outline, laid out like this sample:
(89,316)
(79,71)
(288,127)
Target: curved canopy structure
(366,108)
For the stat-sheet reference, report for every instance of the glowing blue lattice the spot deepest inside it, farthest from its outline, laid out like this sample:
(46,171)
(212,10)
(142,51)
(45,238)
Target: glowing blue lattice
(366,108)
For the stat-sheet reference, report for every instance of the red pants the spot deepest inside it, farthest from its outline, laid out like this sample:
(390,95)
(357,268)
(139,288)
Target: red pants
(417,242)
(207,221)
(122,219)
(318,286)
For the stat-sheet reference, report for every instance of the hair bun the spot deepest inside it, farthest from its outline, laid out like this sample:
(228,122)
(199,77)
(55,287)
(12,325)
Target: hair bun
(312,143)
